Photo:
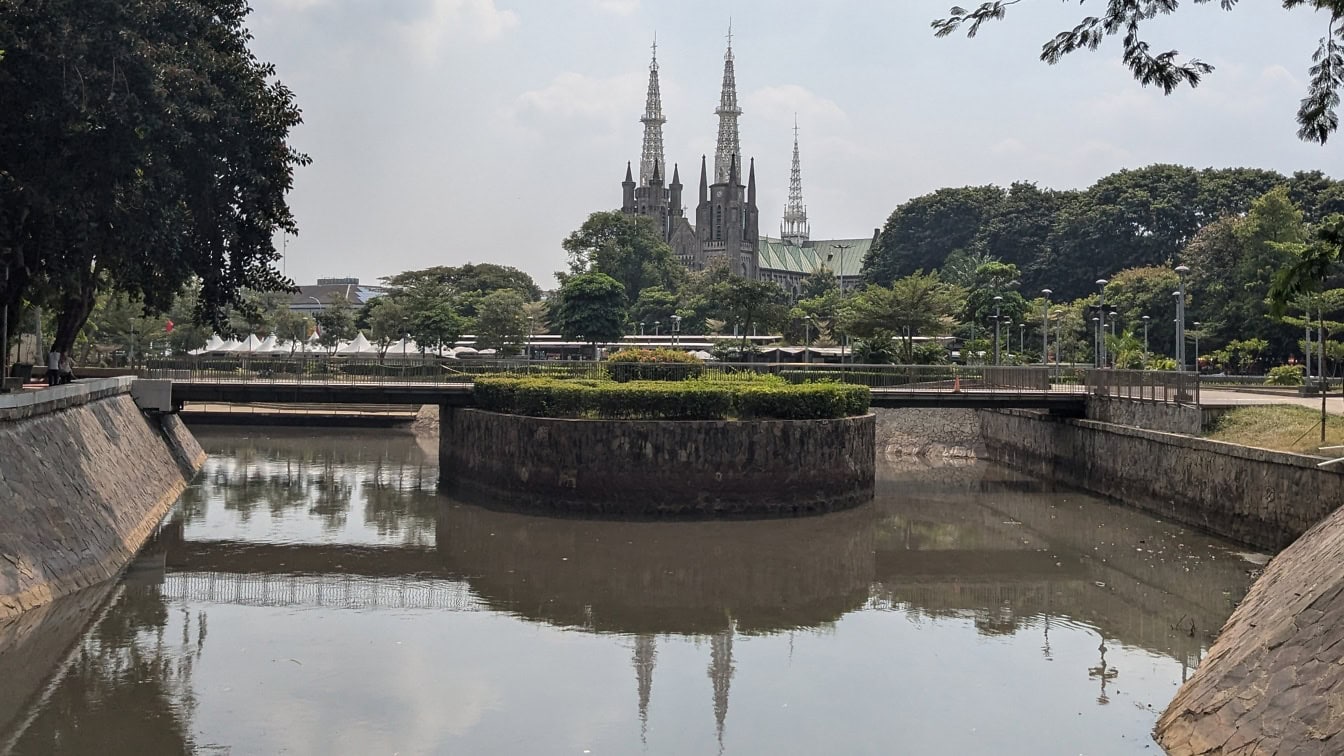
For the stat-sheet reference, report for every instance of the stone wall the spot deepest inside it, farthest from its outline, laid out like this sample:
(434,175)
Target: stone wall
(1261,498)
(1168,418)
(85,477)
(1273,682)
(659,468)
(929,433)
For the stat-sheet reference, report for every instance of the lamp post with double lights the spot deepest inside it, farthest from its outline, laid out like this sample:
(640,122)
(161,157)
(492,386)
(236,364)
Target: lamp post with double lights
(1101,333)
(998,301)
(1181,270)
(1045,329)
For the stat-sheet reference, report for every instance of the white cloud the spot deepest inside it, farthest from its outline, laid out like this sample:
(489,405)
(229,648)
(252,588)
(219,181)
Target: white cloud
(619,7)
(576,96)
(454,20)
(779,104)
(299,5)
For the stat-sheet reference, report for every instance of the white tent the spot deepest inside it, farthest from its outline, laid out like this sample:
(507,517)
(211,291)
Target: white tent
(228,346)
(405,348)
(213,344)
(251,345)
(703,355)
(267,345)
(464,351)
(358,345)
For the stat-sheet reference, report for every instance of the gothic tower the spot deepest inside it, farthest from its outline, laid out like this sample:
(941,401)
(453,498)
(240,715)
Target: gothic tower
(794,229)
(726,220)
(650,197)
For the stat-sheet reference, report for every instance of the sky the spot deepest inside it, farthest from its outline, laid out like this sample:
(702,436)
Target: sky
(451,131)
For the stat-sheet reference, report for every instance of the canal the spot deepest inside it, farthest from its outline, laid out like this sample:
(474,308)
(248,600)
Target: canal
(312,593)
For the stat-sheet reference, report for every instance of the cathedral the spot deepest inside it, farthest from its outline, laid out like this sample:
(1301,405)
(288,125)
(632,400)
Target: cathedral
(727,220)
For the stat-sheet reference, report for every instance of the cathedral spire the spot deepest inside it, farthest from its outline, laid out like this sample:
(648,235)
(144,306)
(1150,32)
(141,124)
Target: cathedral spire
(653,121)
(795,228)
(646,655)
(721,670)
(728,111)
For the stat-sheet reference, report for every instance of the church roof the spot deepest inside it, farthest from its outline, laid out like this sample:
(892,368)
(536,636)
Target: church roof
(777,254)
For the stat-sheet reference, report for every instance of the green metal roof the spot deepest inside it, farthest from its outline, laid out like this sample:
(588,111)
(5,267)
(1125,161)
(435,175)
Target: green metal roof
(777,254)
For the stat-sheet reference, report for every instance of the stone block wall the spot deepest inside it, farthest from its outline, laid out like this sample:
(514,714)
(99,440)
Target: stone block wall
(659,468)
(929,433)
(1261,498)
(84,480)
(1168,418)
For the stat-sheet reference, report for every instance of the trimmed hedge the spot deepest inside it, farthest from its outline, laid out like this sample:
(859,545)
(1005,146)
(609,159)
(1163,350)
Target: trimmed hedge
(653,365)
(668,400)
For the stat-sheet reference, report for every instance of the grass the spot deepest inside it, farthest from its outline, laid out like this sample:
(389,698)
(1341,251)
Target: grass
(1281,427)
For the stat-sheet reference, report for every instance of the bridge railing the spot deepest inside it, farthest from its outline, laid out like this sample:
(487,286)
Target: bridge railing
(1160,386)
(1156,386)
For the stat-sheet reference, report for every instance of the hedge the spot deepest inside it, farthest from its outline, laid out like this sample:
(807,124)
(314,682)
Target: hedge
(653,365)
(668,400)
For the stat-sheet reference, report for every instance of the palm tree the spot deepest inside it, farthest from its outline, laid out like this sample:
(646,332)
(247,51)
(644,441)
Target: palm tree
(1306,276)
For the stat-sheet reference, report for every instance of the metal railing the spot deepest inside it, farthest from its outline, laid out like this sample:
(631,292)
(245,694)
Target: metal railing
(1159,386)
(1155,386)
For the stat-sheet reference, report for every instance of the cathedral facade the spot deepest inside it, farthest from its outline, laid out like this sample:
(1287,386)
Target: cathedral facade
(727,220)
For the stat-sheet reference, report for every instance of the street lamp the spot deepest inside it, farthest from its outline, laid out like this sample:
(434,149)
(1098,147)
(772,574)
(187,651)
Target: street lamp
(1181,270)
(807,338)
(842,248)
(1045,328)
(1114,316)
(529,336)
(1021,338)
(1096,340)
(998,301)
(1145,336)
(676,329)
(1059,319)
(1101,312)
(1196,346)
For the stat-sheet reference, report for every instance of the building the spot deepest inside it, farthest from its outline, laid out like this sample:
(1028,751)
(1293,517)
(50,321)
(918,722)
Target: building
(727,219)
(317,297)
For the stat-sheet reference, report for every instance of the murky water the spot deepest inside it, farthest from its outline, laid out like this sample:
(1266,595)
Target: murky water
(313,594)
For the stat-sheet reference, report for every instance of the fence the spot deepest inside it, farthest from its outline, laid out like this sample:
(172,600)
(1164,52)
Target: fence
(1167,387)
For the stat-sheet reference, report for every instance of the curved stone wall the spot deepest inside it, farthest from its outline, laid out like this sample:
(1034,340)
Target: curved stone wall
(659,468)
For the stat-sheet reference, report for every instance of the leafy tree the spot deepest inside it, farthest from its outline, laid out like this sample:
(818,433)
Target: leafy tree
(915,305)
(592,308)
(818,283)
(1135,292)
(163,156)
(389,321)
(466,284)
(742,302)
(335,323)
(501,322)
(654,304)
(921,233)
(1316,115)
(628,248)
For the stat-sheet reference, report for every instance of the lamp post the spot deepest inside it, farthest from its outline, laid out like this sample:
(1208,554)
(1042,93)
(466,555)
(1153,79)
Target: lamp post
(529,336)
(1045,328)
(1145,337)
(1101,313)
(1180,333)
(1059,319)
(998,301)
(1114,316)
(1181,270)
(841,274)
(1096,340)
(676,329)
(1021,339)
(807,338)
(1196,346)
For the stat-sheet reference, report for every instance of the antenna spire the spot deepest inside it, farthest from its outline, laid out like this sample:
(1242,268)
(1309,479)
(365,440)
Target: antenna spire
(653,120)
(795,228)
(728,111)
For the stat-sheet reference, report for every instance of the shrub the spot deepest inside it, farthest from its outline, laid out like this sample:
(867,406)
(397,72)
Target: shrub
(705,399)
(653,365)
(1286,375)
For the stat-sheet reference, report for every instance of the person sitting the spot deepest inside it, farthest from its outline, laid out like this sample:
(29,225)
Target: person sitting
(66,370)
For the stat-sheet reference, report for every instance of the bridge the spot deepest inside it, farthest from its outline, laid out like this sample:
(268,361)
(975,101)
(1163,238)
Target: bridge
(1060,390)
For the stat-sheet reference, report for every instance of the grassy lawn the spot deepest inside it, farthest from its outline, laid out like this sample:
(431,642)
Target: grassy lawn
(1282,427)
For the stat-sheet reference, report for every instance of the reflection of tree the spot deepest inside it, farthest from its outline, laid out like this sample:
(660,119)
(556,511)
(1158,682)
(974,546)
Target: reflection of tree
(396,512)
(126,677)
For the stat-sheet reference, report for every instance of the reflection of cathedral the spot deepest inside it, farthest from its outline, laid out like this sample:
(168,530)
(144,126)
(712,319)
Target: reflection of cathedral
(720,676)
(727,228)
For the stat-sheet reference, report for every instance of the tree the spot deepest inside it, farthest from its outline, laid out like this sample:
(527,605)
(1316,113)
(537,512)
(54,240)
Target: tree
(742,302)
(388,322)
(818,283)
(920,234)
(1306,275)
(335,323)
(162,156)
(628,248)
(466,285)
(592,308)
(655,304)
(501,322)
(1316,115)
(432,319)
(914,305)
(1135,292)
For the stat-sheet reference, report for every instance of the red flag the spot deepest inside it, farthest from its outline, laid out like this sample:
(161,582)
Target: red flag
(168,326)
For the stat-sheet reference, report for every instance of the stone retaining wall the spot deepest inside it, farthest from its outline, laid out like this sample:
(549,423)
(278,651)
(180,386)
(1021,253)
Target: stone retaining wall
(1168,418)
(1261,498)
(929,433)
(659,468)
(85,477)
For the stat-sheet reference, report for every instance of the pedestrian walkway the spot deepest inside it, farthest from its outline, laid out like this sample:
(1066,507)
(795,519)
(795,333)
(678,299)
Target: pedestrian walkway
(1233,398)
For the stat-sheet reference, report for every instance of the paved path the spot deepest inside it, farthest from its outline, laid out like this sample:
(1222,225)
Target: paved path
(1230,398)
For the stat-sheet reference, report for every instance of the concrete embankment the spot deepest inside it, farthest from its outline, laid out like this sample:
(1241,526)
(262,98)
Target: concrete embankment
(85,477)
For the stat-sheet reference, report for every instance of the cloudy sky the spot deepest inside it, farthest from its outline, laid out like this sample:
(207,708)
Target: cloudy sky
(453,131)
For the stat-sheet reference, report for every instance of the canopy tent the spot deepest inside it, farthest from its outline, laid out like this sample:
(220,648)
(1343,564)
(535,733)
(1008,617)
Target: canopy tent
(357,345)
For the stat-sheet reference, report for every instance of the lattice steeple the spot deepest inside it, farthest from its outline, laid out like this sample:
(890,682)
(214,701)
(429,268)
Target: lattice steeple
(795,228)
(728,111)
(652,155)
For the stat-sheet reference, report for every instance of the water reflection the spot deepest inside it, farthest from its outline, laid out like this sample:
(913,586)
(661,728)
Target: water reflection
(351,609)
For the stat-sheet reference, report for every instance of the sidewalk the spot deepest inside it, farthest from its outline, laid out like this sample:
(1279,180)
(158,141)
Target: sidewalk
(1231,398)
